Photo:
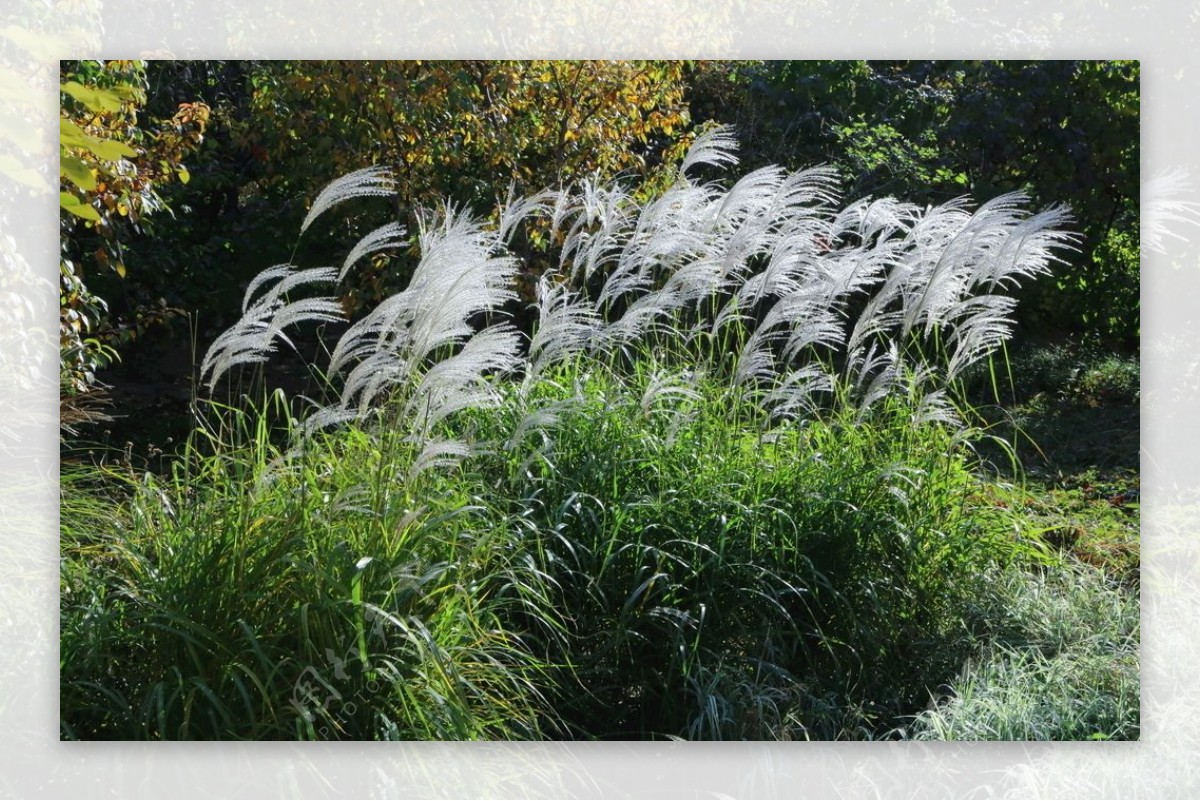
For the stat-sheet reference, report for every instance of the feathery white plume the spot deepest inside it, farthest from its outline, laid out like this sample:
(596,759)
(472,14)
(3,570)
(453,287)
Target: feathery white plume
(382,238)
(566,326)
(714,147)
(771,266)
(367,182)
(252,338)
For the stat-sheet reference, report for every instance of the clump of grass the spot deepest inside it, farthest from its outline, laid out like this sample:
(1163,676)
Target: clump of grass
(256,594)
(1061,663)
(746,580)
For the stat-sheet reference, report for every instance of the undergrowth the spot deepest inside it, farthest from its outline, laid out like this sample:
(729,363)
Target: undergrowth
(1059,662)
(738,581)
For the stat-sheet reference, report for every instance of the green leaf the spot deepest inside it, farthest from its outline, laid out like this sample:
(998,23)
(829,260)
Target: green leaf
(69,202)
(78,173)
(93,98)
(112,150)
(71,135)
(184,175)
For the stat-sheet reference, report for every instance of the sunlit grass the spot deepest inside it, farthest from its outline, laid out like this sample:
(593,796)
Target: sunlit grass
(1060,662)
(260,595)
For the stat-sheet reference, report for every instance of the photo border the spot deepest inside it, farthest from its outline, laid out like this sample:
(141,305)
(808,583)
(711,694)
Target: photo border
(1164,38)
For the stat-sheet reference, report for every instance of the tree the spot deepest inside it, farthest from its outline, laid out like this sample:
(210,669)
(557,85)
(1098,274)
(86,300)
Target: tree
(111,168)
(466,131)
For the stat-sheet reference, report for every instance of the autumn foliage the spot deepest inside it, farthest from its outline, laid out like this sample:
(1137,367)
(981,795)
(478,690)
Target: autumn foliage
(112,167)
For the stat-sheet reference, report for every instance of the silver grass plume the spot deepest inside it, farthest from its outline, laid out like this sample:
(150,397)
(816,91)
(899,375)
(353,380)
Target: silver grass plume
(796,392)
(944,268)
(999,245)
(715,147)
(367,182)
(674,396)
(252,338)
(439,454)
(956,253)
(773,255)
(462,381)
(597,215)
(383,238)
(541,419)
(666,385)
(566,326)
(514,210)
(459,275)
(462,274)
